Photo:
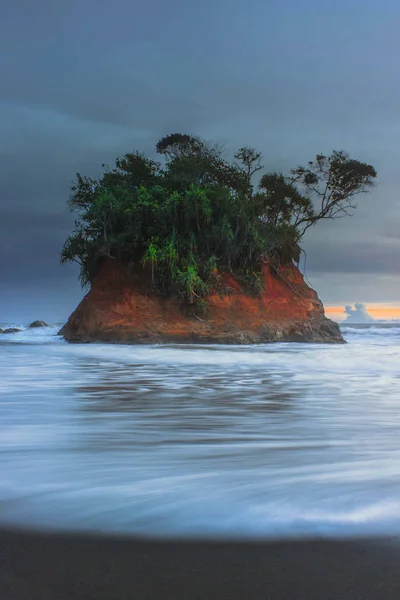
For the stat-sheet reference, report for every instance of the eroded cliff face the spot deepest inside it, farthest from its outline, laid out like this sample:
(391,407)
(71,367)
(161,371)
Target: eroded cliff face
(122,307)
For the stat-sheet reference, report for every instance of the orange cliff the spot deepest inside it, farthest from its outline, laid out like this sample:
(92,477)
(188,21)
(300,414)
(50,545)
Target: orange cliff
(122,307)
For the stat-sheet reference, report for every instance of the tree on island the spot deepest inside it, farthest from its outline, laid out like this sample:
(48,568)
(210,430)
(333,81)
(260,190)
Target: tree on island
(198,214)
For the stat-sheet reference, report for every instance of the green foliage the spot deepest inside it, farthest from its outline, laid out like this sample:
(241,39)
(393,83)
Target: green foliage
(251,279)
(200,215)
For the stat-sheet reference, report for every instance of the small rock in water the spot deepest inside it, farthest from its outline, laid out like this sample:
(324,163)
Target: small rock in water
(38,324)
(12,330)
(1,330)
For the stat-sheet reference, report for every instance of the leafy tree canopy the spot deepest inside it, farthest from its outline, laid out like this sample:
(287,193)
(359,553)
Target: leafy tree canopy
(198,214)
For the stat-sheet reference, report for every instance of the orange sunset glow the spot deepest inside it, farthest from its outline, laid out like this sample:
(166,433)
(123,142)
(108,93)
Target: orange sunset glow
(381,312)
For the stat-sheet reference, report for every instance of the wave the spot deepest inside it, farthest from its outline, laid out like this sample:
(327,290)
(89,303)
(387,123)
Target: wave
(366,331)
(27,335)
(374,325)
(188,506)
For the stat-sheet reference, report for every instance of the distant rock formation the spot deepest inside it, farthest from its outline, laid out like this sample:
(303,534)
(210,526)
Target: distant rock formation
(38,324)
(122,307)
(12,330)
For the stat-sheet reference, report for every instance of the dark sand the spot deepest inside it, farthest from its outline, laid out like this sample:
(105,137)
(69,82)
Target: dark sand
(40,566)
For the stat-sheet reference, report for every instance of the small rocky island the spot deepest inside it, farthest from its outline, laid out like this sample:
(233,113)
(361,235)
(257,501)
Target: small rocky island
(122,307)
(192,250)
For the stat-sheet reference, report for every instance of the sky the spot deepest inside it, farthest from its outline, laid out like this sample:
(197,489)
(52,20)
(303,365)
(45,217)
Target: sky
(85,81)
(362,313)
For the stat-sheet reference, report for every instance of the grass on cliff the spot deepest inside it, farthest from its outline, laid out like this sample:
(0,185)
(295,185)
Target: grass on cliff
(197,214)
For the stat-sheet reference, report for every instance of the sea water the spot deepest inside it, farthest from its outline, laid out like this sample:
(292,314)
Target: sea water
(209,441)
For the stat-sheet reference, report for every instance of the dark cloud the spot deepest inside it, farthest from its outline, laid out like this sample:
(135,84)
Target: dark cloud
(82,82)
(380,257)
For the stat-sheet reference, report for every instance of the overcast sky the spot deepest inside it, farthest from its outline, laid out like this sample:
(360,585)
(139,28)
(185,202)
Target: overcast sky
(82,81)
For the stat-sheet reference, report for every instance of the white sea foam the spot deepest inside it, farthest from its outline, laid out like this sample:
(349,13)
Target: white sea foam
(270,440)
(30,335)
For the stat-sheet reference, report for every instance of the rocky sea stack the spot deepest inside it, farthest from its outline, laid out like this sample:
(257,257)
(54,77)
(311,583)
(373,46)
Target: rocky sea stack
(192,249)
(122,307)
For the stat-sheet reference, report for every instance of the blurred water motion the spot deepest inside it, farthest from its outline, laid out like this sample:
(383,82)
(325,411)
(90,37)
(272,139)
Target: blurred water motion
(261,441)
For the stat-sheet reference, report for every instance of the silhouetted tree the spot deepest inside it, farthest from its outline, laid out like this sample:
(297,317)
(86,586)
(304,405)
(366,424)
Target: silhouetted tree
(331,183)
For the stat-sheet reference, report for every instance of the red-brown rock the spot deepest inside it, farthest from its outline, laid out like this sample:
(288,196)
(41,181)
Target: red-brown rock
(122,307)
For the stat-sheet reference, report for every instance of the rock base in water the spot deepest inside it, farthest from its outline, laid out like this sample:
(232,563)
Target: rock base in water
(38,324)
(122,307)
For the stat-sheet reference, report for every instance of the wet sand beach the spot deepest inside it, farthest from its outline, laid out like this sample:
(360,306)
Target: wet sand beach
(46,566)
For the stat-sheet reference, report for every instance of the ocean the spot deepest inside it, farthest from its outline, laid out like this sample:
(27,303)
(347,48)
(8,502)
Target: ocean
(257,442)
